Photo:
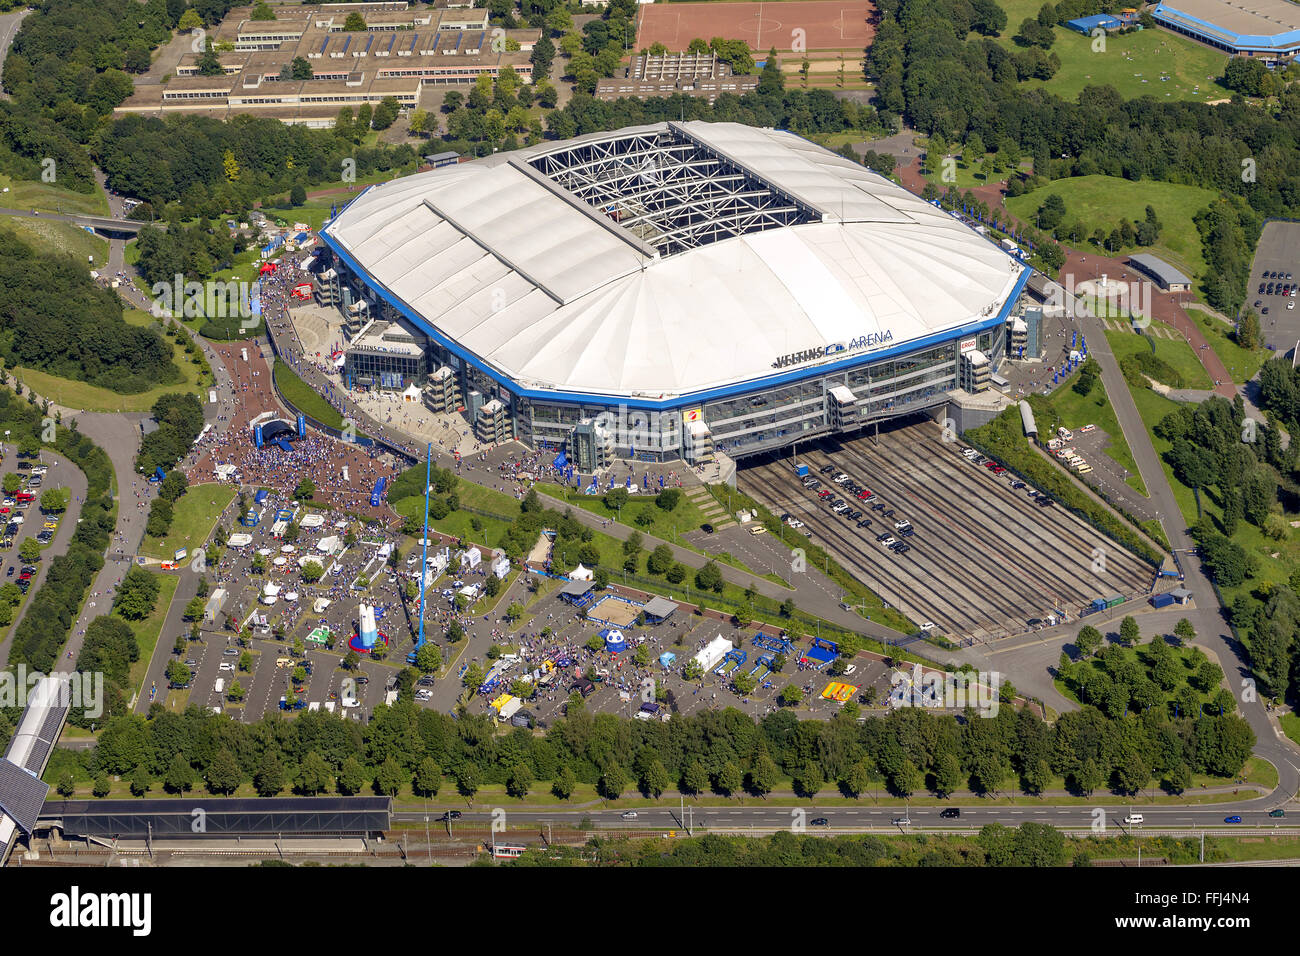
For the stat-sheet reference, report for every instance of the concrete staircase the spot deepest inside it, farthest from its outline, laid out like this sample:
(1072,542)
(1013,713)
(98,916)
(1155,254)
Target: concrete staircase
(710,508)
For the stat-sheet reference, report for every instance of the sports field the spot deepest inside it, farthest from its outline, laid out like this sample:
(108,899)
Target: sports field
(812,24)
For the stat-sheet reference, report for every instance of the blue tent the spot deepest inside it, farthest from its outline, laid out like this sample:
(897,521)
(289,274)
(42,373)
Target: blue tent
(666,658)
(560,460)
(614,640)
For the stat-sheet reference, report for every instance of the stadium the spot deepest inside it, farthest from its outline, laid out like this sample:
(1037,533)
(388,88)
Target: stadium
(661,292)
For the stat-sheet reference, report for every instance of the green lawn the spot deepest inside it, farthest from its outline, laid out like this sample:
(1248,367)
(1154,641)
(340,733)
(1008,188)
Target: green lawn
(25,194)
(667,526)
(305,398)
(195,373)
(196,515)
(1102,201)
(146,632)
(1291,726)
(1134,65)
(1242,364)
(1175,352)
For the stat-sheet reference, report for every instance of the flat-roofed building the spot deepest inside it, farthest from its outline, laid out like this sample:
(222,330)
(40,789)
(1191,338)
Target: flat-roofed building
(400,51)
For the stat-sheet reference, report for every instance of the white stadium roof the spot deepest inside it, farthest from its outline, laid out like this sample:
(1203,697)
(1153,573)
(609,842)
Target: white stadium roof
(665,260)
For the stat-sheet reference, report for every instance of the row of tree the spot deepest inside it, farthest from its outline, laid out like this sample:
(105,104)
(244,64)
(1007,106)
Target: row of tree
(724,751)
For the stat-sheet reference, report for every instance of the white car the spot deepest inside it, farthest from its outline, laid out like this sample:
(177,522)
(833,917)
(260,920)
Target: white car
(840,479)
(347,703)
(226,666)
(889,541)
(850,669)
(796,523)
(424,695)
(969,453)
(927,626)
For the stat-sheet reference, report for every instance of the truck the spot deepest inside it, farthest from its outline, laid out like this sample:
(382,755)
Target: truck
(1162,600)
(802,471)
(510,708)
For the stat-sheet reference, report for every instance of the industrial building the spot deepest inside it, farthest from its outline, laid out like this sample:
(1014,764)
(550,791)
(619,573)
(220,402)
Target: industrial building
(674,291)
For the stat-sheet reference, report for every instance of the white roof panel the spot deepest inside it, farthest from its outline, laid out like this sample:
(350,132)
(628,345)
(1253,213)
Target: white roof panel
(554,294)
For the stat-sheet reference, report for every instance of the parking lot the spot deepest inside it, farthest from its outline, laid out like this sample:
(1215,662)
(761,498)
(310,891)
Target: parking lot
(1278,253)
(984,559)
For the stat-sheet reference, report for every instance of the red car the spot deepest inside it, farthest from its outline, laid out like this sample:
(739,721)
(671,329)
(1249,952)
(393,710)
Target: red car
(998,469)
(25,576)
(990,465)
(823,493)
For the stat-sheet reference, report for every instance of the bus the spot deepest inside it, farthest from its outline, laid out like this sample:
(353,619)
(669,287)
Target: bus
(507,851)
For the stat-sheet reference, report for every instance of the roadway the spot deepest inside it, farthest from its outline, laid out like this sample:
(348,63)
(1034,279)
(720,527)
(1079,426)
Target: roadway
(1207,616)
(761,816)
(105,223)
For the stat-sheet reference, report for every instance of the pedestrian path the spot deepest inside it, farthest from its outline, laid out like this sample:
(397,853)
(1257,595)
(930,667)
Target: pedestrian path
(710,508)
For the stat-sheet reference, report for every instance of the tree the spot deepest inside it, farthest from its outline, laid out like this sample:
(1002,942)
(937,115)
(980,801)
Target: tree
(351,777)
(908,780)
(179,776)
(190,20)
(1129,631)
(763,775)
(428,658)
(519,780)
(386,113)
(612,782)
(297,196)
(791,695)
(709,578)
(389,777)
(29,552)
(564,783)
(103,786)
(654,778)
(141,781)
(428,778)
(947,775)
(1088,640)
(695,779)
(313,774)
(235,692)
(1037,776)
(467,781)
(858,779)
(54,500)
(223,773)
(312,572)
(729,779)
(355,23)
(269,778)
(1184,631)
(1088,777)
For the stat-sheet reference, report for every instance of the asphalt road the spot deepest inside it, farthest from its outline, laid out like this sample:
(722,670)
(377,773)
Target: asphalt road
(760,816)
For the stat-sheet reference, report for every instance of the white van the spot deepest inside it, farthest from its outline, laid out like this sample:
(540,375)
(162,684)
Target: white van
(221,685)
(1132,818)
